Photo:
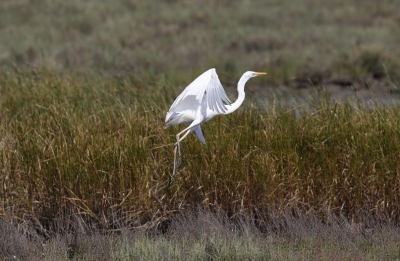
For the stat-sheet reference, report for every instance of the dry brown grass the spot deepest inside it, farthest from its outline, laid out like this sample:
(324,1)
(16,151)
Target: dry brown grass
(98,148)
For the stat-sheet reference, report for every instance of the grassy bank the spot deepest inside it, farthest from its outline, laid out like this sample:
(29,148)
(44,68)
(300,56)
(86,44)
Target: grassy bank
(97,147)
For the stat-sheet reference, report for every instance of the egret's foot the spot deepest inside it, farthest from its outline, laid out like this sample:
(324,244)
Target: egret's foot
(171,179)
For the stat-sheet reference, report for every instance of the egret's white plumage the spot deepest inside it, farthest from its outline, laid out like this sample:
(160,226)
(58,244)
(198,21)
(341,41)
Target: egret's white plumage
(200,101)
(203,98)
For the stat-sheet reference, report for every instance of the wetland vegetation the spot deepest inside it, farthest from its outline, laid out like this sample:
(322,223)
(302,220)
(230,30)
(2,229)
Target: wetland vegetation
(84,157)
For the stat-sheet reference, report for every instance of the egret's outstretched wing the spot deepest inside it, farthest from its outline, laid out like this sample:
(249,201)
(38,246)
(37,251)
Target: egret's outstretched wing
(205,86)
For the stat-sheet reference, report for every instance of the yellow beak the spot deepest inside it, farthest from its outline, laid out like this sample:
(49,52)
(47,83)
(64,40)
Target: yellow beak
(260,73)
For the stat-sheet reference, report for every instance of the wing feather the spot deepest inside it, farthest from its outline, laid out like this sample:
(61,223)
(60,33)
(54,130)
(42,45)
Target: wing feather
(212,99)
(219,93)
(218,99)
(207,86)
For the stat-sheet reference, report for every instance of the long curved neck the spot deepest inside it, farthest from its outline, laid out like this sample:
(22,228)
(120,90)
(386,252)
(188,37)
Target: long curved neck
(240,87)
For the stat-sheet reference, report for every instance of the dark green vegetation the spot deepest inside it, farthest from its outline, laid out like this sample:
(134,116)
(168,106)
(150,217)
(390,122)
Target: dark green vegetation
(84,158)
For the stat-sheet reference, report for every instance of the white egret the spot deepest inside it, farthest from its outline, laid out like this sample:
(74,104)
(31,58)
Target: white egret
(200,101)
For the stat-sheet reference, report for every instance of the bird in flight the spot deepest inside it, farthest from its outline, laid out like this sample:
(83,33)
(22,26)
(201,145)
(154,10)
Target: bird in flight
(199,102)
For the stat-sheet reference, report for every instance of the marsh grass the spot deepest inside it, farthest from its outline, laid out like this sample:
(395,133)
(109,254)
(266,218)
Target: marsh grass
(97,147)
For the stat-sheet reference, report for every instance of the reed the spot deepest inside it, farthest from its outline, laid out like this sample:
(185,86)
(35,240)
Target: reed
(96,147)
